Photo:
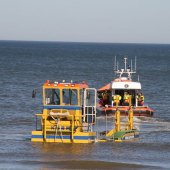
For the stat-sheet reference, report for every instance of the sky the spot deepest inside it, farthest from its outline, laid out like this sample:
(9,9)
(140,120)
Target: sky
(117,21)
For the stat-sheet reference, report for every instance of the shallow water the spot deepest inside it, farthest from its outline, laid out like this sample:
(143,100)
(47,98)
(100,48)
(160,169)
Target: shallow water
(26,65)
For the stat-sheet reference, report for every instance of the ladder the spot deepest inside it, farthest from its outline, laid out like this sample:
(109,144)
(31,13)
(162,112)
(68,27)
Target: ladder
(89,107)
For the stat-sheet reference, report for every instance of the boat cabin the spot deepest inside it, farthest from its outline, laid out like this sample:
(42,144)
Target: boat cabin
(123,86)
(120,87)
(57,94)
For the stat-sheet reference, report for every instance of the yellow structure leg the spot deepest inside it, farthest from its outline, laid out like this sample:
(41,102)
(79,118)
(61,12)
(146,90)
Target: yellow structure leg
(130,115)
(117,121)
(72,129)
(117,116)
(45,132)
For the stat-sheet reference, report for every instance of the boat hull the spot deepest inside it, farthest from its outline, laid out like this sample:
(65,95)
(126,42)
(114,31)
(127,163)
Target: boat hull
(137,111)
(79,137)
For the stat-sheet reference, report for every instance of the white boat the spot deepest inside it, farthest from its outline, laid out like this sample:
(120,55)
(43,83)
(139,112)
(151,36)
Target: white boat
(121,86)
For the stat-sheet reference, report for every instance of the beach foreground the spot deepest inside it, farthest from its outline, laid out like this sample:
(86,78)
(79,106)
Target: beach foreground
(85,164)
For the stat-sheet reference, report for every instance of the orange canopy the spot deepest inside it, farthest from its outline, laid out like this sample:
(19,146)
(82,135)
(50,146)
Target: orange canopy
(106,87)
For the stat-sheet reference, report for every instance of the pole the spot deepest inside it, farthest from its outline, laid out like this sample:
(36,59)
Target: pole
(125,62)
(130,114)
(117,116)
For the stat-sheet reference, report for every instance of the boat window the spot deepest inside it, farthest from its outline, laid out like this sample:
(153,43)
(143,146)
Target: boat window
(70,96)
(52,96)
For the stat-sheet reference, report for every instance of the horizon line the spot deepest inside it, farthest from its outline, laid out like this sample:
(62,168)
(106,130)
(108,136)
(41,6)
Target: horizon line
(92,42)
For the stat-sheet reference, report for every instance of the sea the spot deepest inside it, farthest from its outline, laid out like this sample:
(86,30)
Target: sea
(26,65)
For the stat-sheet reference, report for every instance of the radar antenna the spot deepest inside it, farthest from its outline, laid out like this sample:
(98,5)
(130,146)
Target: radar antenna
(127,70)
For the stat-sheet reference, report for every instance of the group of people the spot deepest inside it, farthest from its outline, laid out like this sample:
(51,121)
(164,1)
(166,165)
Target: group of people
(126,99)
(121,100)
(117,99)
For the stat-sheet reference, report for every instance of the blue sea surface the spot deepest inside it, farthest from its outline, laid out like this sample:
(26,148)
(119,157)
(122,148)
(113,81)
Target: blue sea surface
(26,65)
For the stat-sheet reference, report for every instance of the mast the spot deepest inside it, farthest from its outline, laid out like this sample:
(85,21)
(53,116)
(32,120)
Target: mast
(125,63)
(131,66)
(126,71)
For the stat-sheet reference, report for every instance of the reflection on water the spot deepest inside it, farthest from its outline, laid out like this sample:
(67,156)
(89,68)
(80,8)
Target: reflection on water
(59,149)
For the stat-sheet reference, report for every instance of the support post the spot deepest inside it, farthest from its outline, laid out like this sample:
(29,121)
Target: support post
(117,116)
(45,133)
(72,128)
(130,115)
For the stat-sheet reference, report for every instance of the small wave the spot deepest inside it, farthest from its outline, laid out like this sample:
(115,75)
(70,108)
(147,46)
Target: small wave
(147,124)
(20,137)
(104,117)
(147,119)
(152,124)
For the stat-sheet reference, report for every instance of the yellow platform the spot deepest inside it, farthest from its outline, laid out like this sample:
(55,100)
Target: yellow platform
(79,137)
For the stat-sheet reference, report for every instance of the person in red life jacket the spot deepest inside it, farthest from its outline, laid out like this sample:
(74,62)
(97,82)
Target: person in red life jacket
(140,99)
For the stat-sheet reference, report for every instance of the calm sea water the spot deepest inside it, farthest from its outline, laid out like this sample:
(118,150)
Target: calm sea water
(26,65)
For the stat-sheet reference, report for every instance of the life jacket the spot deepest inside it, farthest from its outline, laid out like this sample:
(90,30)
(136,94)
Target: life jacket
(142,98)
(115,97)
(126,98)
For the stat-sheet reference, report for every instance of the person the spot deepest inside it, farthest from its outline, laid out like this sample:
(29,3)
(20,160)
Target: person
(126,99)
(105,98)
(116,98)
(100,95)
(141,100)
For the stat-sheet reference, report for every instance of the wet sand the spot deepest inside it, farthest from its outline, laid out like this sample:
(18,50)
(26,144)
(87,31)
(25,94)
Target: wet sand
(82,164)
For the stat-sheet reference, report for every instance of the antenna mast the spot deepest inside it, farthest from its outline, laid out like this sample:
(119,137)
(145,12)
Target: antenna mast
(131,69)
(125,63)
(135,63)
(117,65)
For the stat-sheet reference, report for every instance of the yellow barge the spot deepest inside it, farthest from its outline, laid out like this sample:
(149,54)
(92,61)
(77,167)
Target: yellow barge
(69,116)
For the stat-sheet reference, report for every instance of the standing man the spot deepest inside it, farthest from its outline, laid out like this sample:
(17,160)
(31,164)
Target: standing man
(142,99)
(116,99)
(126,99)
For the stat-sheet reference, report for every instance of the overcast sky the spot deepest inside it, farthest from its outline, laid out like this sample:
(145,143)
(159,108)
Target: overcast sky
(123,21)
